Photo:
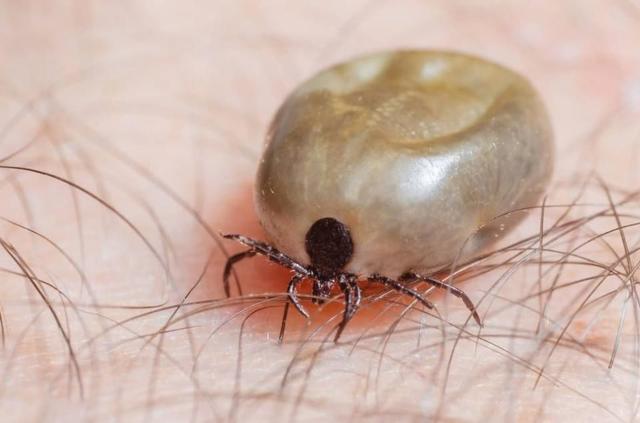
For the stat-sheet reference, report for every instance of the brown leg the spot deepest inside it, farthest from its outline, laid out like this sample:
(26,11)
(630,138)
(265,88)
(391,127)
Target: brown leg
(293,290)
(443,285)
(229,265)
(284,322)
(403,289)
(352,298)
(273,254)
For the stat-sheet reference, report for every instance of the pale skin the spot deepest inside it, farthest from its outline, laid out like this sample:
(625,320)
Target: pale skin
(157,113)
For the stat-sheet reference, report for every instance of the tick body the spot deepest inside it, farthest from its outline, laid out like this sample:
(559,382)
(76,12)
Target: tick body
(391,166)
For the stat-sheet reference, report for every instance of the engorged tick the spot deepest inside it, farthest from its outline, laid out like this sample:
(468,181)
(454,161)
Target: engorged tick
(391,166)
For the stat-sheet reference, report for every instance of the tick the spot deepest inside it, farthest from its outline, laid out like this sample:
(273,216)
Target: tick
(391,166)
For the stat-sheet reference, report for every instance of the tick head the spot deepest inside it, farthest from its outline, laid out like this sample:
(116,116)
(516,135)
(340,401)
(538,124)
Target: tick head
(329,245)
(321,290)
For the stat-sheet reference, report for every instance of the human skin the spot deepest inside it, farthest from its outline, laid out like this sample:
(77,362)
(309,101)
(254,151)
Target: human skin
(131,134)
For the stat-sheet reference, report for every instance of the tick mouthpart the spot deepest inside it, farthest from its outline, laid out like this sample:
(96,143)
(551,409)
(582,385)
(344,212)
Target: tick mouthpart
(321,290)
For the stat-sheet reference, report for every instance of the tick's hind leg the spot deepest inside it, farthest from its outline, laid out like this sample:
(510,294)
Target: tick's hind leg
(409,277)
(403,289)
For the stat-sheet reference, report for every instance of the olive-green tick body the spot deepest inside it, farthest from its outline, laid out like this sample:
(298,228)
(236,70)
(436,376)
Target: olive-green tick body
(400,159)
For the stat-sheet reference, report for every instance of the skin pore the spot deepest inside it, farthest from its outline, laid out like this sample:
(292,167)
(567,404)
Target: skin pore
(130,135)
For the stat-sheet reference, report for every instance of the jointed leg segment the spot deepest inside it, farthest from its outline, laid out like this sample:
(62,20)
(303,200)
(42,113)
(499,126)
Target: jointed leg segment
(409,277)
(293,295)
(229,265)
(347,282)
(403,289)
(271,253)
(352,297)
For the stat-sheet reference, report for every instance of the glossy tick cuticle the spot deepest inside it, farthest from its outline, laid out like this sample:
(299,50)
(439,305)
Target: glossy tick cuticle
(396,164)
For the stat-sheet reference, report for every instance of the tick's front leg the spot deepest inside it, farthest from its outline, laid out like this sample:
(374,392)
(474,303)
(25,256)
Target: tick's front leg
(352,298)
(293,294)
(272,253)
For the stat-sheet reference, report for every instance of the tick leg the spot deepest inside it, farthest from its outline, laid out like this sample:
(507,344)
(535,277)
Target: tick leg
(273,254)
(352,298)
(357,295)
(284,322)
(231,261)
(293,294)
(293,285)
(443,285)
(401,288)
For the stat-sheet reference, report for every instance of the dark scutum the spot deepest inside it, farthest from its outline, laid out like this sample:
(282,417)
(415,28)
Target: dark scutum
(329,245)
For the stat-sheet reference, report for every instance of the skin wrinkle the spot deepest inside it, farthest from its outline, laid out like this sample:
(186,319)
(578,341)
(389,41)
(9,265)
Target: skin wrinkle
(161,110)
